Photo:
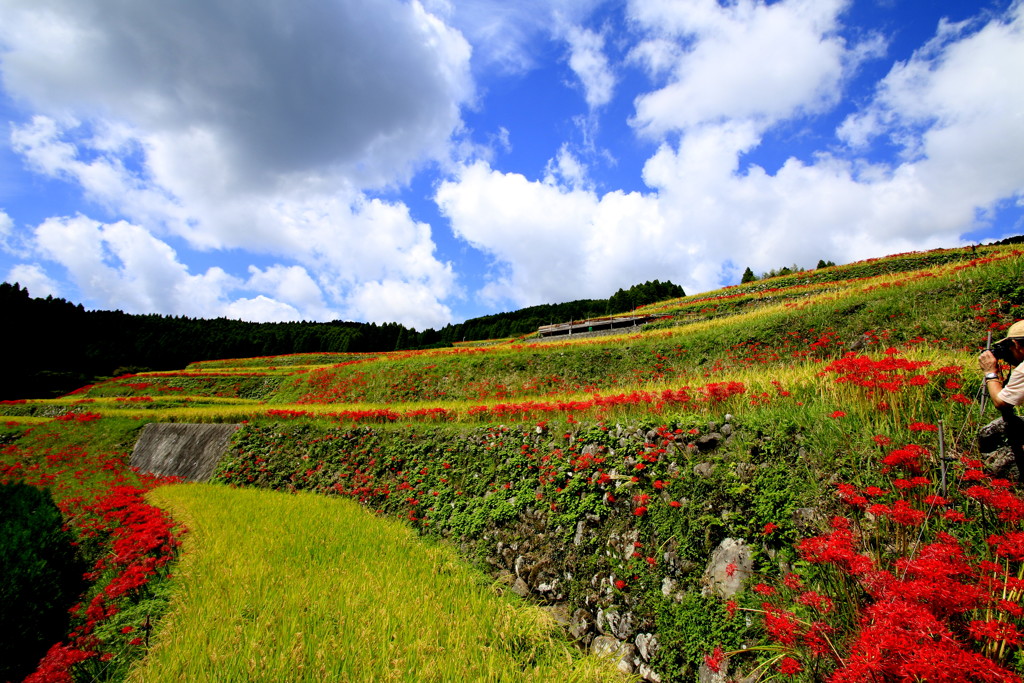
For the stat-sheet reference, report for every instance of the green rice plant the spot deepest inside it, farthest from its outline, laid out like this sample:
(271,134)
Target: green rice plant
(277,587)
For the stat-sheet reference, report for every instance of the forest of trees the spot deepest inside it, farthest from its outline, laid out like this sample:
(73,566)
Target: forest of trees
(57,346)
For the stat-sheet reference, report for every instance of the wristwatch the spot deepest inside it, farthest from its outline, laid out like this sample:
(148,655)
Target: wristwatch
(991,375)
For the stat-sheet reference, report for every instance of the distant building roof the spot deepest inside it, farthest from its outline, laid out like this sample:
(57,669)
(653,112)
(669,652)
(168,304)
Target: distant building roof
(594,324)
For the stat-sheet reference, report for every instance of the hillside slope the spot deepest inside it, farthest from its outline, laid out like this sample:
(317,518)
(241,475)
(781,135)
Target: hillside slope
(802,450)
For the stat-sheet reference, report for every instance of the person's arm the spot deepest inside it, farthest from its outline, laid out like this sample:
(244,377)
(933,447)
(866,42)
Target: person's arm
(993,385)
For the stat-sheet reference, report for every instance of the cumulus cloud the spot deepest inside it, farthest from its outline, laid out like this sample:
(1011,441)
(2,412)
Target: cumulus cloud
(556,242)
(742,60)
(261,309)
(401,301)
(955,109)
(954,106)
(124,266)
(33,277)
(279,133)
(250,126)
(292,285)
(280,89)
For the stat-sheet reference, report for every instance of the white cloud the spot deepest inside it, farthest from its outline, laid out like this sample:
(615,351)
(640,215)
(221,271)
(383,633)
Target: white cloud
(746,59)
(504,34)
(567,169)
(390,300)
(224,127)
(249,127)
(261,309)
(6,231)
(245,75)
(48,147)
(555,242)
(123,266)
(126,268)
(32,277)
(955,105)
(589,63)
(292,285)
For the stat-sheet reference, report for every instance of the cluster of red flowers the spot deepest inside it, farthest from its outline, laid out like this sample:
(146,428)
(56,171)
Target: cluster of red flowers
(715,392)
(880,382)
(939,609)
(78,417)
(131,541)
(655,401)
(889,374)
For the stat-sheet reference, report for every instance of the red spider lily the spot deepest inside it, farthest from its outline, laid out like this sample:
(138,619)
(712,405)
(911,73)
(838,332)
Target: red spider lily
(56,665)
(789,666)
(793,581)
(715,660)
(908,458)
(993,629)
(140,540)
(904,513)
(1009,545)
(836,548)
(920,606)
(899,640)
(782,626)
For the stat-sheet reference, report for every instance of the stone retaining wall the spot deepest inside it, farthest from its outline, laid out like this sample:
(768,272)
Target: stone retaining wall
(189,451)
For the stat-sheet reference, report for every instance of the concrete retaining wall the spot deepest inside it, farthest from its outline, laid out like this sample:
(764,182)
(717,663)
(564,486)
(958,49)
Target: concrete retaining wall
(189,451)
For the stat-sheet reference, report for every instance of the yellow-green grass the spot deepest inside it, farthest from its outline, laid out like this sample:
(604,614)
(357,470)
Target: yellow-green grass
(758,379)
(849,274)
(176,399)
(761,293)
(279,587)
(24,419)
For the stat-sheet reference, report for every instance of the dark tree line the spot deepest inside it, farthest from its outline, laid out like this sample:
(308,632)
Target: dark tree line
(56,346)
(650,292)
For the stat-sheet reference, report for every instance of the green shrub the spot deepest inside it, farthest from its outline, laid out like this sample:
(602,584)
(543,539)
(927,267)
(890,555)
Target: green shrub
(40,577)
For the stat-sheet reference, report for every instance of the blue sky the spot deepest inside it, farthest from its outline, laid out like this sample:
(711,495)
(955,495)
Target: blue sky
(426,162)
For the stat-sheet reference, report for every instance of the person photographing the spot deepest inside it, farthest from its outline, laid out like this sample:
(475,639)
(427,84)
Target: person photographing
(1010,350)
(1007,395)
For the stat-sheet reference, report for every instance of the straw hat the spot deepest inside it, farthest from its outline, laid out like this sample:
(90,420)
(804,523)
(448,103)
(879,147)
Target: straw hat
(1016,331)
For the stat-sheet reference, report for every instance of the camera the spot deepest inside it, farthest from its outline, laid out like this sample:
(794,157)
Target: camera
(1001,350)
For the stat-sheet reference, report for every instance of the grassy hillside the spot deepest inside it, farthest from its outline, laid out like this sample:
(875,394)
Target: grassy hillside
(823,422)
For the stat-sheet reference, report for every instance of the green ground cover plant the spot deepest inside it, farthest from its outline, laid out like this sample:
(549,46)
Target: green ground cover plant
(40,577)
